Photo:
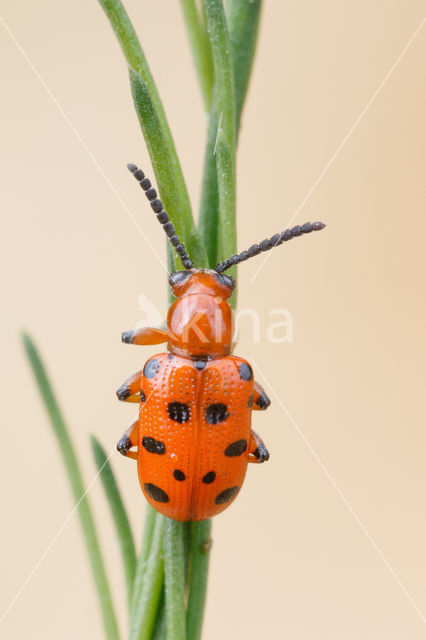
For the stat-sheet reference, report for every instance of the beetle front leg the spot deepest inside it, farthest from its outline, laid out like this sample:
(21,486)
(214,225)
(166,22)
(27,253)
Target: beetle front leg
(257,451)
(145,335)
(260,399)
(128,440)
(131,388)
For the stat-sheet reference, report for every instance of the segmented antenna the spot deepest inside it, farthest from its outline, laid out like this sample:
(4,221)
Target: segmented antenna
(270,243)
(162,216)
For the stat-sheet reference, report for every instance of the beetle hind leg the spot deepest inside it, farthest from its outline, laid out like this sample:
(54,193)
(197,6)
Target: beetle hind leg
(128,440)
(258,453)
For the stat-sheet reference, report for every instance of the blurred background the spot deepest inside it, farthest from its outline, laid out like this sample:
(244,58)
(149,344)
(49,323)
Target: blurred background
(299,554)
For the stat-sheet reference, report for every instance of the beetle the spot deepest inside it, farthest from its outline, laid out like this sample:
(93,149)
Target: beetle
(193,438)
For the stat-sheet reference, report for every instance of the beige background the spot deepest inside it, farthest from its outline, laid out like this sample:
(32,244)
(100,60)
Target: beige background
(289,559)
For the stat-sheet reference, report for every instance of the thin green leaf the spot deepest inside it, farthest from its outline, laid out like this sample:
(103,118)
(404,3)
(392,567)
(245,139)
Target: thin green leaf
(162,164)
(174,579)
(77,487)
(146,601)
(180,211)
(226,130)
(171,265)
(118,513)
(200,542)
(243,23)
(208,219)
(200,48)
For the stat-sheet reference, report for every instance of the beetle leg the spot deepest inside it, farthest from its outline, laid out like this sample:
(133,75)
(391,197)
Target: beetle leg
(131,388)
(145,335)
(257,451)
(260,399)
(128,440)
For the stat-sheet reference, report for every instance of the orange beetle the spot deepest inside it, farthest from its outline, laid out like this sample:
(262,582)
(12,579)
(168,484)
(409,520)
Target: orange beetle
(193,438)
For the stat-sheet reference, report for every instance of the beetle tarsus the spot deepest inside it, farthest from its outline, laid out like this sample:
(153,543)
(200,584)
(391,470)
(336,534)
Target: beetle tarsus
(261,453)
(263,402)
(123,392)
(127,337)
(124,444)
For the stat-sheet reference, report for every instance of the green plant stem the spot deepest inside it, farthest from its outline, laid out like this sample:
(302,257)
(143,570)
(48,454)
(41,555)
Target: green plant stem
(77,487)
(227,59)
(174,577)
(200,542)
(226,132)
(186,545)
(148,532)
(145,603)
(159,632)
(200,49)
(141,564)
(149,108)
(118,512)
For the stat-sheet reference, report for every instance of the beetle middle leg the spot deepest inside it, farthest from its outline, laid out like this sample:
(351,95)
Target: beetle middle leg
(131,388)
(260,399)
(257,451)
(128,440)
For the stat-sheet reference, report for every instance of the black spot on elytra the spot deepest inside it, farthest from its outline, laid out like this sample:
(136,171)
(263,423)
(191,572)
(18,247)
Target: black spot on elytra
(156,493)
(200,364)
(178,412)
(250,401)
(216,413)
(236,448)
(245,371)
(263,401)
(227,495)
(209,477)
(179,475)
(151,368)
(153,446)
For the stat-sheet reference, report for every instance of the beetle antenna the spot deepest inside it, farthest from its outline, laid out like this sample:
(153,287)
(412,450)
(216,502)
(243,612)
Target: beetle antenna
(162,216)
(269,243)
